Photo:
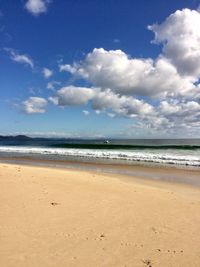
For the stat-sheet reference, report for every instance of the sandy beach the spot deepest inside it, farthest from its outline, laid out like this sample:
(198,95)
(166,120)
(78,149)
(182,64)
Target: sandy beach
(53,218)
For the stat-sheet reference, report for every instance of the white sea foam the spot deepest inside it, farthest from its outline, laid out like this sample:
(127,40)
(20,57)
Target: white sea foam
(171,156)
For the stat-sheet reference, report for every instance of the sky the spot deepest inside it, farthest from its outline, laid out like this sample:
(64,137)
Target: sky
(100,68)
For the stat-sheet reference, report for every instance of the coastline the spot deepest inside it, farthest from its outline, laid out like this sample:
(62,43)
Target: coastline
(61,217)
(166,173)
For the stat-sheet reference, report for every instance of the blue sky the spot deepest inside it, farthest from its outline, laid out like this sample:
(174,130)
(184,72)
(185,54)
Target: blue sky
(93,68)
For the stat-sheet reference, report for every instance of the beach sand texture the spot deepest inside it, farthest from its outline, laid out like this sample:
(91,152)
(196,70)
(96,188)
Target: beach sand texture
(59,218)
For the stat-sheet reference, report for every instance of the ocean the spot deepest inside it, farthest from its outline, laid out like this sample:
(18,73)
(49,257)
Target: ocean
(169,152)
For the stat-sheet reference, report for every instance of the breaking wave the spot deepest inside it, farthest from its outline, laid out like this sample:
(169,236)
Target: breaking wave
(162,154)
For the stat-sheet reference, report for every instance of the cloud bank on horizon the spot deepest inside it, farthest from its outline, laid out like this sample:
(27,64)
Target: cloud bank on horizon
(157,94)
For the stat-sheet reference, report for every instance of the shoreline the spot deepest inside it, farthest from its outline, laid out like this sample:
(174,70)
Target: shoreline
(60,217)
(187,176)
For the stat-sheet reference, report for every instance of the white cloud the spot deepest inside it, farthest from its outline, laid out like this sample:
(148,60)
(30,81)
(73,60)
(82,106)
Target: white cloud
(174,73)
(67,68)
(167,108)
(34,105)
(37,7)
(116,70)
(161,95)
(20,58)
(86,112)
(53,100)
(111,115)
(173,118)
(126,106)
(121,105)
(47,73)
(186,110)
(72,96)
(97,112)
(51,85)
(180,36)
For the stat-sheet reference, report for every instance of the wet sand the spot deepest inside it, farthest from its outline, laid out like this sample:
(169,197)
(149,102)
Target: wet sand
(168,173)
(55,217)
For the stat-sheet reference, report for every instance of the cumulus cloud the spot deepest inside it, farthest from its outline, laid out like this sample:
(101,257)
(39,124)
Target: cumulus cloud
(67,68)
(20,58)
(72,96)
(188,111)
(34,105)
(116,70)
(36,7)
(173,118)
(47,73)
(160,94)
(180,36)
(126,106)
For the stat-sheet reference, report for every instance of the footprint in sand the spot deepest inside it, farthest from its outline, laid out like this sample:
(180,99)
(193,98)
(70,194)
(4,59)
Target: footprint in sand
(147,262)
(154,230)
(55,203)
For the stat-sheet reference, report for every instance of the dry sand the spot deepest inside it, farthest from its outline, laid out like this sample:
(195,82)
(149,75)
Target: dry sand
(59,218)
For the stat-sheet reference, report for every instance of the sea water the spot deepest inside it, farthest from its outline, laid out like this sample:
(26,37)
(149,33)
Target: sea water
(177,152)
